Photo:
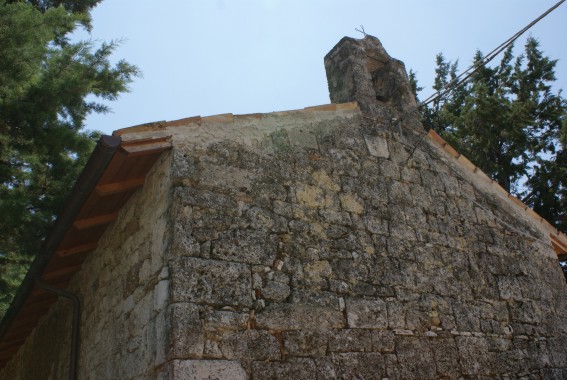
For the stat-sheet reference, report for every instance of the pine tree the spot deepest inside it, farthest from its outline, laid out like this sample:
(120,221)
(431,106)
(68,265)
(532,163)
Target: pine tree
(508,120)
(46,87)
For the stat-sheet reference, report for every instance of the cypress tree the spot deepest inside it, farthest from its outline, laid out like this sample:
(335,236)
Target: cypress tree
(48,85)
(509,121)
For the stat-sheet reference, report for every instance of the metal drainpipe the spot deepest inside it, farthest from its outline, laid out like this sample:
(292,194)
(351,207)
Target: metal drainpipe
(76,322)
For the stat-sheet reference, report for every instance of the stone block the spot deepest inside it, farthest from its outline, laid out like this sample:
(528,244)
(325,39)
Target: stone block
(382,341)
(376,225)
(525,311)
(377,146)
(184,166)
(224,176)
(409,174)
(392,366)
(183,243)
(310,196)
(224,320)
(509,288)
(283,208)
(161,295)
(306,342)
(210,282)
(212,350)
(366,313)
(206,369)
(303,139)
(293,368)
(400,194)
(336,217)
(352,365)
(467,316)
(474,355)
(246,246)
(389,169)
(345,161)
(352,203)
(415,358)
(204,199)
(558,352)
(275,291)
(351,340)
(446,357)
(250,345)
(264,220)
(183,330)
(431,180)
(283,317)
(318,298)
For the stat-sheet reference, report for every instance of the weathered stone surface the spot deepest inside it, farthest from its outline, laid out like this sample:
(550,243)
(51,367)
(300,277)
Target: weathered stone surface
(558,355)
(296,368)
(206,369)
(299,317)
(304,342)
(246,246)
(250,344)
(348,365)
(275,291)
(223,176)
(211,282)
(377,146)
(224,320)
(382,341)
(446,356)
(362,70)
(185,336)
(206,199)
(415,359)
(365,313)
(474,357)
(350,340)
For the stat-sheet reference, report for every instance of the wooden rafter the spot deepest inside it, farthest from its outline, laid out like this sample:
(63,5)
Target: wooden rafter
(119,187)
(91,246)
(559,245)
(95,221)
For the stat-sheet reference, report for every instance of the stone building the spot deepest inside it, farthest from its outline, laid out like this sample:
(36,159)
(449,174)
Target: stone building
(338,241)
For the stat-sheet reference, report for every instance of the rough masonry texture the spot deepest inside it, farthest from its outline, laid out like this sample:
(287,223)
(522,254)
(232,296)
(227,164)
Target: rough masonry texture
(326,243)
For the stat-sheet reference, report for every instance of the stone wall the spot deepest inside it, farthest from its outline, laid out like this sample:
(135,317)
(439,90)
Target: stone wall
(45,355)
(328,250)
(124,288)
(123,294)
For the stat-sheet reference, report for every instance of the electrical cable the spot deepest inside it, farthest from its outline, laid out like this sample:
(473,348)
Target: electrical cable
(465,75)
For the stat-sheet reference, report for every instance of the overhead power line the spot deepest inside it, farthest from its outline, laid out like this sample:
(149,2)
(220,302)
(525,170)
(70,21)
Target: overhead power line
(465,75)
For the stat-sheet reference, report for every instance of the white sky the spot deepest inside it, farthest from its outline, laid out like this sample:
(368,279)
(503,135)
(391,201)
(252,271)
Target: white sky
(206,57)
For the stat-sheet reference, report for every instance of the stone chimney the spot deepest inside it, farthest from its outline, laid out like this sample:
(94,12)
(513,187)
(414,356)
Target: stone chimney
(362,70)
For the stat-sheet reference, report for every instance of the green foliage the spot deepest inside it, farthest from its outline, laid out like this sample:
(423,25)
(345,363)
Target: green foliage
(48,86)
(510,123)
(13,271)
(415,88)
